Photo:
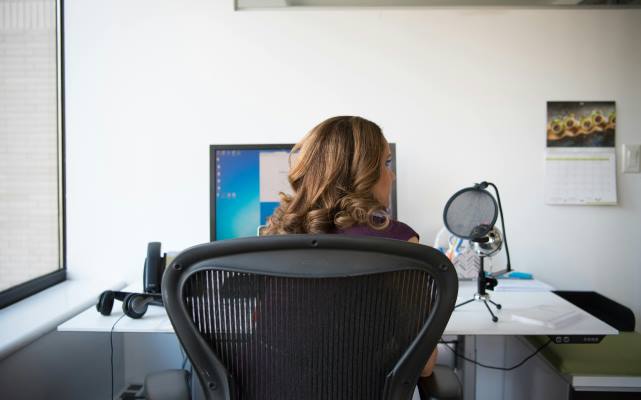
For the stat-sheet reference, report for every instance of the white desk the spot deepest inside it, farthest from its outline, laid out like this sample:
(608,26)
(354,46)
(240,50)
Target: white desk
(471,319)
(474,319)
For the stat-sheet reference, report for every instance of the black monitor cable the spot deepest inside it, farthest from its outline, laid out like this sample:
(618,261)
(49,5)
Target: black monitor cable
(492,366)
(111,346)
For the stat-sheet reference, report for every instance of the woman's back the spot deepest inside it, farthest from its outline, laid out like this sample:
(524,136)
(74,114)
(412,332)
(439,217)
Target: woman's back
(395,230)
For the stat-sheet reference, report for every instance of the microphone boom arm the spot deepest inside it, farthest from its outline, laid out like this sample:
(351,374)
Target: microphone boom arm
(483,185)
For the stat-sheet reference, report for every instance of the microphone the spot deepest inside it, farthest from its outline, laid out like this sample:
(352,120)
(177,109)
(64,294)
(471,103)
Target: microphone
(489,244)
(479,232)
(482,186)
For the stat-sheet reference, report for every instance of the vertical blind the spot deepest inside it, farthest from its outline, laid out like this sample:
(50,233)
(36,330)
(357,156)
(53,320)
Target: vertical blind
(30,229)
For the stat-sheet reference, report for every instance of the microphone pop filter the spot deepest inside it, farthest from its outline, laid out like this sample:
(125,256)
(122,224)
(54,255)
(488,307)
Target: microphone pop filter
(470,213)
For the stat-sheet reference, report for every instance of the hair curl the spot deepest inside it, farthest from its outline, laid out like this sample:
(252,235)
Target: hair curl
(335,168)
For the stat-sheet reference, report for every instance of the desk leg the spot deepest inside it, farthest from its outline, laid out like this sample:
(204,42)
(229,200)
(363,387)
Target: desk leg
(468,369)
(490,350)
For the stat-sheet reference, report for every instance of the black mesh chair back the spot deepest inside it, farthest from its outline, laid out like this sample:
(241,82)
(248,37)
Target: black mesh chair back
(309,316)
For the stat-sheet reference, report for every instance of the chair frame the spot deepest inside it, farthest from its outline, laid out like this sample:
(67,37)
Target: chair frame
(283,256)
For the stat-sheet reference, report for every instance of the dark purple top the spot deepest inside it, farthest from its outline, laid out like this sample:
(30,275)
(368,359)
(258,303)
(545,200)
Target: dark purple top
(395,230)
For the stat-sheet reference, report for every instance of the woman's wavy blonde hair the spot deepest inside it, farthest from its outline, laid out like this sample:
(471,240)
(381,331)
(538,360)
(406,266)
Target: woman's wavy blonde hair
(335,168)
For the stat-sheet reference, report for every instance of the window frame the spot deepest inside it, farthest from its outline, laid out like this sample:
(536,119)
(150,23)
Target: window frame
(21,291)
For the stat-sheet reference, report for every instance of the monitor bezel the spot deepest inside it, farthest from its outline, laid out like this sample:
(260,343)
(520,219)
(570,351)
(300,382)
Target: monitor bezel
(283,146)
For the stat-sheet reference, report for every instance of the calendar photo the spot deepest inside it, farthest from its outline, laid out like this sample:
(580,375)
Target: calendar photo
(581,123)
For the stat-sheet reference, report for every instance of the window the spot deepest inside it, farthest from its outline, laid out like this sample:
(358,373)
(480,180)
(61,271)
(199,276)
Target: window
(32,255)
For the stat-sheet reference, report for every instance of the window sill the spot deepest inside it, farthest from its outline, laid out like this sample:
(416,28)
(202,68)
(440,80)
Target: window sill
(27,320)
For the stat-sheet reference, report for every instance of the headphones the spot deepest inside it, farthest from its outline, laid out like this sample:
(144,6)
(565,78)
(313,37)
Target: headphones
(134,305)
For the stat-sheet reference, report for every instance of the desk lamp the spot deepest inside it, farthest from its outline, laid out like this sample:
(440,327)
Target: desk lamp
(470,214)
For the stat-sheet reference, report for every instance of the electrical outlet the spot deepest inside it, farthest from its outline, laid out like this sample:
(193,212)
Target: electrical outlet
(631,160)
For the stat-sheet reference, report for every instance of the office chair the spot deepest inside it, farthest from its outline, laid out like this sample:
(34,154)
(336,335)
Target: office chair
(309,316)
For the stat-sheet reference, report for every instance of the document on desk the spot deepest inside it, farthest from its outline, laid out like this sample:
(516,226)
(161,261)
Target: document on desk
(522,285)
(547,315)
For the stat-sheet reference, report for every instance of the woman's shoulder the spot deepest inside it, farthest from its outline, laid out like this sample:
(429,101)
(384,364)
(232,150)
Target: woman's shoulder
(395,230)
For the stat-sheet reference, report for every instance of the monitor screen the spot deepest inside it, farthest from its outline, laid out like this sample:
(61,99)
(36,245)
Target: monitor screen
(245,181)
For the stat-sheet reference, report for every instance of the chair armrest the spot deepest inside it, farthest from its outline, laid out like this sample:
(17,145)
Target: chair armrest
(167,385)
(443,384)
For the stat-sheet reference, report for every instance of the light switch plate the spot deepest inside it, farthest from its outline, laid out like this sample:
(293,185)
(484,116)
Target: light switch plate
(631,160)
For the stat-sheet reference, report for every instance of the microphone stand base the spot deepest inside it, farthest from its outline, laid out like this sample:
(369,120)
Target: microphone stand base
(485,298)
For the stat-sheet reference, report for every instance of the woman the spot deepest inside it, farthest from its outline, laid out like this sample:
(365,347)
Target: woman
(341,179)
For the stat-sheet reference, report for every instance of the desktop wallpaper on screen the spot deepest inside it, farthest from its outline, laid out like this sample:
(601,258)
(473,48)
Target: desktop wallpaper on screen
(247,183)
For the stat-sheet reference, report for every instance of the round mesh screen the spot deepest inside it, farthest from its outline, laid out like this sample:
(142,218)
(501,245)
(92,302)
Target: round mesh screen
(470,213)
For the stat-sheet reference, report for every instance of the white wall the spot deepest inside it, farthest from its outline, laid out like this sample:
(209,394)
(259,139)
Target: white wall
(150,84)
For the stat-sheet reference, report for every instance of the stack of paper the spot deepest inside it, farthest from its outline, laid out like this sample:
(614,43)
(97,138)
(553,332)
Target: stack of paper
(546,315)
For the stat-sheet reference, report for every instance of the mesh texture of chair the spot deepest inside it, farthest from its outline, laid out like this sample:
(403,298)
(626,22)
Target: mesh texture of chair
(309,316)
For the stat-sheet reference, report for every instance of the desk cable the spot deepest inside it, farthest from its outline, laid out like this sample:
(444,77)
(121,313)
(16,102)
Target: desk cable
(447,344)
(111,346)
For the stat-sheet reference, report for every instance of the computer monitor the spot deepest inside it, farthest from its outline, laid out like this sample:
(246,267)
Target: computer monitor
(244,184)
